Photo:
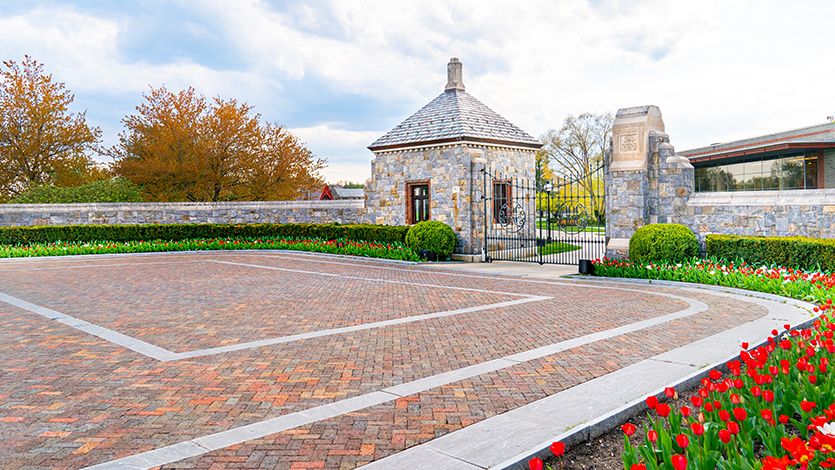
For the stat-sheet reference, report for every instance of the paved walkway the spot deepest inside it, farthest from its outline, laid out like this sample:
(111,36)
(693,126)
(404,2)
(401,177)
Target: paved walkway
(290,360)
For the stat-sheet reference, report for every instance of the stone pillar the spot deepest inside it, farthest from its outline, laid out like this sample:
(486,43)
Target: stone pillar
(646,182)
(475,217)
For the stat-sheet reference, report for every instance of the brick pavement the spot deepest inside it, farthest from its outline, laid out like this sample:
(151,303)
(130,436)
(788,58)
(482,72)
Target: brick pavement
(70,400)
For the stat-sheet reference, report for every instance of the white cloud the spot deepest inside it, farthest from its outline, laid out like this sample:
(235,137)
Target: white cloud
(719,69)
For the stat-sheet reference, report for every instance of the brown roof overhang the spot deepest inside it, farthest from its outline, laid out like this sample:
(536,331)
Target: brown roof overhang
(759,150)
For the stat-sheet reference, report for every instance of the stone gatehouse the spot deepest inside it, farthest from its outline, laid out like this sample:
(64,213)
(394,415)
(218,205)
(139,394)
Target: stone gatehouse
(429,166)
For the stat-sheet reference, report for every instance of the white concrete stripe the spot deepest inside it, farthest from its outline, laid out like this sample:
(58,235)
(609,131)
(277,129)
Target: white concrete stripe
(275,425)
(353,328)
(165,355)
(141,347)
(370,279)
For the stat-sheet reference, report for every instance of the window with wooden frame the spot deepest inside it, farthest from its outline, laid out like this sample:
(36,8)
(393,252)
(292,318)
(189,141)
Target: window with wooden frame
(502,194)
(417,201)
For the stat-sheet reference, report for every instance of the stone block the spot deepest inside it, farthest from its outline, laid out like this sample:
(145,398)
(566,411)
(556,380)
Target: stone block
(782,225)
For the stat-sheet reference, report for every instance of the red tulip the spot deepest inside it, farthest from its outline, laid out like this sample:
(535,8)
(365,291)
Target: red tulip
(652,435)
(652,402)
(734,398)
(733,428)
(697,428)
(685,411)
(786,344)
(724,415)
(558,448)
(717,404)
(682,440)
(767,415)
(696,401)
(738,383)
(724,436)
(740,414)
(663,410)
(822,367)
(714,374)
(787,326)
(670,392)
(679,462)
(708,407)
(768,396)
(628,429)
(638,466)
(784,419)
(813,379)
(535,464)
(756,391)
(773,370)
(744,345)
(774,332)
(807,406)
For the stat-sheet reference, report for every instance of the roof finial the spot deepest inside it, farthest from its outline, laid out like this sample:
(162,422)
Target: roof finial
(454,74)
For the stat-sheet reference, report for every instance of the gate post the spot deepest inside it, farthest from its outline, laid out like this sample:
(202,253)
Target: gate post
(645,181)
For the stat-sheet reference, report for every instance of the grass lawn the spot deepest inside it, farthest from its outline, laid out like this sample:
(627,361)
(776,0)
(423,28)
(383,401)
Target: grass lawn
(588,228)
(556,247)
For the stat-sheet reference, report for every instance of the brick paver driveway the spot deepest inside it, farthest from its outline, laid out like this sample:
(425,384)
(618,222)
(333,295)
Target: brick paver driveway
(292,360)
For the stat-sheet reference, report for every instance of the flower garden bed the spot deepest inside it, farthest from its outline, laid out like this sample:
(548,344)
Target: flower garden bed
(392,250)
(773,409)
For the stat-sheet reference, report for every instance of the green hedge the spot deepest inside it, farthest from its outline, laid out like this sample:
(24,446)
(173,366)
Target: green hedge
(791,252)
(432,235)
(126,233)
(655,243)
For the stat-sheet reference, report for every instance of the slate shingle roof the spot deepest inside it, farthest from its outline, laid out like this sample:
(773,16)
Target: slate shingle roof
(454,116)
(820,136)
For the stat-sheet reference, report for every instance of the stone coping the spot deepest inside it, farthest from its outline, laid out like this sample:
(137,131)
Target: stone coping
(798,197)
(180,206)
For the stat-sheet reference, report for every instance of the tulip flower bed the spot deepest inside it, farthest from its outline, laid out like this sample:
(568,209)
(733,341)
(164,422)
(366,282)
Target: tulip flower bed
(812,286)
(346,247)
(775,409)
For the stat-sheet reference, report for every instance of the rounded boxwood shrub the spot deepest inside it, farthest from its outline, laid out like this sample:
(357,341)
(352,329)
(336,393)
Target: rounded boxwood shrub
(672,243)
(431,235)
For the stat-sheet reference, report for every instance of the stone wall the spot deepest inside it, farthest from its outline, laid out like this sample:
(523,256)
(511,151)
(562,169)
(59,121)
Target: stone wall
(662,191)
(808,213)
(342,211)
(455,184)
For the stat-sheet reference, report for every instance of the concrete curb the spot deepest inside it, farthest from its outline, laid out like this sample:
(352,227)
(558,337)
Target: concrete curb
(615,418)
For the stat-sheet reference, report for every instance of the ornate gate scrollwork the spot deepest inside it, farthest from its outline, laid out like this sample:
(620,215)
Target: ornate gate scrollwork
(571,217)
(512,217)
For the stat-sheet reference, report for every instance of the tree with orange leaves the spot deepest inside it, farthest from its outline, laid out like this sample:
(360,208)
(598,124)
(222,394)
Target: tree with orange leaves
(41,142)
(181,147)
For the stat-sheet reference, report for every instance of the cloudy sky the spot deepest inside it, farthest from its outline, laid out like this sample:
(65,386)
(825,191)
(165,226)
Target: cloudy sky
(340,73)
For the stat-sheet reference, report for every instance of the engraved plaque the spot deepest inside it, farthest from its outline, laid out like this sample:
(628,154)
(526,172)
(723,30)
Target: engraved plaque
(629,143)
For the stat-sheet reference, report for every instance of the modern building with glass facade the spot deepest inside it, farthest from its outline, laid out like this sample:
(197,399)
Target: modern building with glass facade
(791,160)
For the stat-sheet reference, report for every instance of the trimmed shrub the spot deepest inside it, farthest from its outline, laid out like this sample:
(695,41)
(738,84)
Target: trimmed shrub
(106,190)
(125,233)
(432,235)
(672,243)
(790,252)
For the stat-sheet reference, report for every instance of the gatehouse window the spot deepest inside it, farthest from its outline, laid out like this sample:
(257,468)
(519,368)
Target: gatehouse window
(795,171)
(501,199)
(417,202)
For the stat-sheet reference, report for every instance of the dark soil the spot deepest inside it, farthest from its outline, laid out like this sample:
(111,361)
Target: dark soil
(604,452)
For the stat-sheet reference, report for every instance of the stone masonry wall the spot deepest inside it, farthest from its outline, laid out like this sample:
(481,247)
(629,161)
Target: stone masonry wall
(345,212)
(808,213)
(455,185)
(664,193)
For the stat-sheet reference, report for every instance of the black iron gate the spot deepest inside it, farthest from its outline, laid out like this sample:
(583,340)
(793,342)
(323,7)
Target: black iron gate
(555,222)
